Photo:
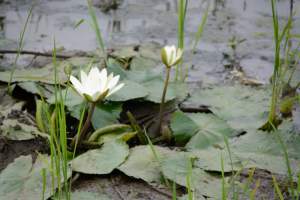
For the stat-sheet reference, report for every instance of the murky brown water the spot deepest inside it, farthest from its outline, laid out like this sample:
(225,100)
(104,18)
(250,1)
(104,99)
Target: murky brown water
(155,21)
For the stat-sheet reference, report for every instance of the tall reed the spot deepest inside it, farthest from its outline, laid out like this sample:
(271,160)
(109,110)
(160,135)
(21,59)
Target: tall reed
(19,49)
(273,120)
(182,8)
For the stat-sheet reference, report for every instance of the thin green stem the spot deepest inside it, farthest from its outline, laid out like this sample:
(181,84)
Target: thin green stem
(78,138)
(163,98)
(20,47)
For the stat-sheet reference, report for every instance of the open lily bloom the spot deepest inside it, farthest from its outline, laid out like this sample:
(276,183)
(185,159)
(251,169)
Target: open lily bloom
(96,85)
(171,55)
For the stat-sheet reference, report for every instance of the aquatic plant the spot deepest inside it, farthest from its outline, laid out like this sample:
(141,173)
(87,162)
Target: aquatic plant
(94,87)
(170,56)
(273,120)
(182,8)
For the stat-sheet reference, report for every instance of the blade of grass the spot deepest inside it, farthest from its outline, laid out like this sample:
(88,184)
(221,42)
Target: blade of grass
(287,161)
(231,164)
(188,179)
(200,28)
(253,192)
(174,192)
(156,156)
(19,49)
(277,189)
(224,191)
(182,8)
(96,28)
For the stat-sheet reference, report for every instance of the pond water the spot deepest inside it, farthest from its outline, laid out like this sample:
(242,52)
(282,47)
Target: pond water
(138,22)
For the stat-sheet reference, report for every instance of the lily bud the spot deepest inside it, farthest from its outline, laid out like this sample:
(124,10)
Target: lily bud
(171,55)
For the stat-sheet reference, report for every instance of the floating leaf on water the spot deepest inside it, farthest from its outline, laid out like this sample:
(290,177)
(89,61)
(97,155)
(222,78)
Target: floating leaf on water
(46,73)
(131,90)
(177,167)
(23,180)
(142,163)
(183,127)
(211,130)
(175,90)
(241,107)
(103,160)
(39,89)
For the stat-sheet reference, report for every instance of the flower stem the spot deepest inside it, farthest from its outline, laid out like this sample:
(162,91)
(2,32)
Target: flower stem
(162,104)
(78,138)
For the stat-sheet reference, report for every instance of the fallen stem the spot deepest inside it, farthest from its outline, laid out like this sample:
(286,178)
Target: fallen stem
(136,127)
(35,53)
(107,129)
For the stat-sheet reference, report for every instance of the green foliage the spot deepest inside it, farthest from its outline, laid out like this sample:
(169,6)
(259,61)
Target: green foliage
(183,127)
(23,179)
(211,130)
(102,161)
(143,164)
(242,107)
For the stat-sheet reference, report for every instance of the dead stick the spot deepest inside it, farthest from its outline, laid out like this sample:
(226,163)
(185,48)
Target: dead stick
(25,52)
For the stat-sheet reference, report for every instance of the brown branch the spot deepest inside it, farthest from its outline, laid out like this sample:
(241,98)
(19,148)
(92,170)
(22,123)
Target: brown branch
(35,53)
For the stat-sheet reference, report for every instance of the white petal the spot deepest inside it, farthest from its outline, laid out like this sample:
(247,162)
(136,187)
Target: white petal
(77,85)
(118,87)
(113,82)
(94,71)
(83,77)
(103,79)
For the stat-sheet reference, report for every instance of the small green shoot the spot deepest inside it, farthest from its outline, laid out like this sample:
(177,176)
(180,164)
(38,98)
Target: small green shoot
(19,49)
(277,189)
(96,28)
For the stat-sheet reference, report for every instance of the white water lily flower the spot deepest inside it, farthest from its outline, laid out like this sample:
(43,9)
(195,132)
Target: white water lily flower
(96,85)
(171,55)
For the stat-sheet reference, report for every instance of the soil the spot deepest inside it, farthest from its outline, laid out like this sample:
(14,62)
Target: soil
(9,150)
(117,186)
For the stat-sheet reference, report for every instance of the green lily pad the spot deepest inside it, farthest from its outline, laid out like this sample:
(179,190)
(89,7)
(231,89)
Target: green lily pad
(211,130)
(44,90)
(142,64)
(183,127)
(178,167)
(242,107)
(70,97)
(255,149)
(131,90)
(46,73)
(210,160)
(142,163)
(103,160)
(106,114)
(23,180)
(155,88)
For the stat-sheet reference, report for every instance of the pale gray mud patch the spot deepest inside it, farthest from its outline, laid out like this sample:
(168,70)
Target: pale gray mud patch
(119,187)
